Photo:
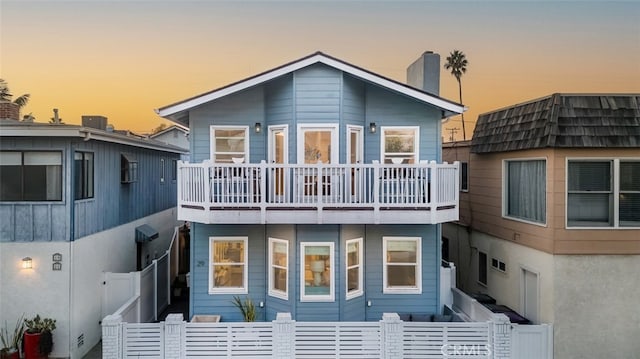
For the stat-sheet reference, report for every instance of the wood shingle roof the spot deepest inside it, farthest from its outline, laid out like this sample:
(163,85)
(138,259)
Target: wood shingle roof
(561,120)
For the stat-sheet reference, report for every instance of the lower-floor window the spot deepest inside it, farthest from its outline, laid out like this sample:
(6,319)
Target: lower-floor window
(402,265)
(317,274)
(228,257)
(278,268)
(354,272)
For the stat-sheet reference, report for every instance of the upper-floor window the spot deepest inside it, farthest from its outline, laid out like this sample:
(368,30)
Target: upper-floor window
(354,268)
(30,176)
(228,269)
(399,144)
(83,175)
(525,196)
(279,268)
(402,265)
(230,144)
(464,176)
(128,168)
(603,193)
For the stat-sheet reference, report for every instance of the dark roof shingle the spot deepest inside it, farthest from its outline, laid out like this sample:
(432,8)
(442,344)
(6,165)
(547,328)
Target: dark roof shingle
(561,120)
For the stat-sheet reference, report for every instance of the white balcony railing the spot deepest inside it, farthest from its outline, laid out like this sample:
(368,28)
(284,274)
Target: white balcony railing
(278,193)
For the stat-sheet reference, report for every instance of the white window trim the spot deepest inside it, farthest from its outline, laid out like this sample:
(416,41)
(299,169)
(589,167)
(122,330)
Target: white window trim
(212,142)
(245,287)
(505,194)
(416,143)
(335,138)
(317,298)
(615,190)
(272,291)
(271,130)
(417,289)
(360,266)
(359,130)
(497,268)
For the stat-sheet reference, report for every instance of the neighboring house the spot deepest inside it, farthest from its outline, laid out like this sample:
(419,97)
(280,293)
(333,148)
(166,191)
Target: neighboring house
(175,135)
(550,218)
(311,192)
(74,199)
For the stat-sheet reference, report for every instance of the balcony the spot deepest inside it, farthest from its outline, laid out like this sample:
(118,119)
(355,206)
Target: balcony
(422,193)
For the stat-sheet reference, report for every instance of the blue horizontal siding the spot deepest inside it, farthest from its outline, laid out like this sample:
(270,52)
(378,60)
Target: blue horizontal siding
(339,310)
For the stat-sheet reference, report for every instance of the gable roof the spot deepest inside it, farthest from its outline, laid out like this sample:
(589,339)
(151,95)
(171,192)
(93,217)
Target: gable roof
(176,127)
(175,111)
(561,120)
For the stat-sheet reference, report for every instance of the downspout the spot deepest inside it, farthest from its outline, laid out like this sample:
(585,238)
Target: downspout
(72,232)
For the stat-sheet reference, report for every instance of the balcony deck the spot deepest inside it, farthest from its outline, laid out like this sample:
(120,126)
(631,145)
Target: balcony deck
(260,193)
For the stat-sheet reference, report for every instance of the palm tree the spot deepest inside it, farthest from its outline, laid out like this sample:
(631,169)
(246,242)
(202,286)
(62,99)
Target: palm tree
(5,95)
(457,63)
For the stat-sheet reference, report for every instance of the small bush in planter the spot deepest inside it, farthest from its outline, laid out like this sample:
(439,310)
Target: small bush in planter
(247,308)
(44,327)
(11,339)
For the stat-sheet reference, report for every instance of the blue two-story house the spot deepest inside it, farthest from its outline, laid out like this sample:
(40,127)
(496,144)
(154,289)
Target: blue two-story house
(314,188)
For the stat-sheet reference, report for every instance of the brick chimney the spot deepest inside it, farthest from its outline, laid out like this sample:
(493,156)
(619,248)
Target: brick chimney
(9,110)
(424,73)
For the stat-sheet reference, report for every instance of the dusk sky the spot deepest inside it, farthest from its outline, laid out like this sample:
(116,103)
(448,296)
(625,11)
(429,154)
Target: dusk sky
(123,59)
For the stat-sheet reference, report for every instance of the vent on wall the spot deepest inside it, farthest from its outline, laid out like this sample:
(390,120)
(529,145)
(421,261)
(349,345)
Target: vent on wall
(80,340)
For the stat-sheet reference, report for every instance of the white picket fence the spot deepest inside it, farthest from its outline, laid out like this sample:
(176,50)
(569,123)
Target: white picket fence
(285,338)
(141,296)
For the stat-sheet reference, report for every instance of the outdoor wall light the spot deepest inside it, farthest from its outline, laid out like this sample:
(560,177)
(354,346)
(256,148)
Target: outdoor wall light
(27,263)
(372,127)
(258,127)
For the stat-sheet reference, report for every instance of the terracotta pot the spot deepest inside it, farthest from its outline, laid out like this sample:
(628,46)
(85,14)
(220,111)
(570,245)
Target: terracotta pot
(11,355)
(32,346)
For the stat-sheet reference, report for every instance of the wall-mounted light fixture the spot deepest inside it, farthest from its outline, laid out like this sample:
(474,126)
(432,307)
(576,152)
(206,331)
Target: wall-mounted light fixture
(27,263)
(258,127)
(372,127)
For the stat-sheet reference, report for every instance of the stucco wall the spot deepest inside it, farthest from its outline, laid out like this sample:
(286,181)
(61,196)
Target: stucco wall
(72,296)
(597,306)
(39,290)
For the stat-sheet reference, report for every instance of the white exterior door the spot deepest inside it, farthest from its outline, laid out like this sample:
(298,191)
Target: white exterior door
(317,143)
(355,151)
(529,295)
(278,153)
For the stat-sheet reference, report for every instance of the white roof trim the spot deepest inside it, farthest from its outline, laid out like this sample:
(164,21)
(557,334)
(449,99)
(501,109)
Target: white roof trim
(86,133)
(317,58)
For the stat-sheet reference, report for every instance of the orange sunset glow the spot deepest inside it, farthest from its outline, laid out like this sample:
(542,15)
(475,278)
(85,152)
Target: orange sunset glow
(124,59)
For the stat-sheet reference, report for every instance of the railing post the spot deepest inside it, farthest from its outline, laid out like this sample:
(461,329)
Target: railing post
(174,330)
(501,338)
(263,191)
(434,188)
(391,330)
(206,180)
(376,192)
(320,184)
(112,337)
(284,337)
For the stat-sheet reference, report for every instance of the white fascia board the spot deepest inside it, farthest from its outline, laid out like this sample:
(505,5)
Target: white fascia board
(237,87)
(419,95)
(81,132)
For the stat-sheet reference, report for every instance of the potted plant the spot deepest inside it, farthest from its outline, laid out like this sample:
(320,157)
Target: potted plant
(38,337)
(11,340)
(247,308)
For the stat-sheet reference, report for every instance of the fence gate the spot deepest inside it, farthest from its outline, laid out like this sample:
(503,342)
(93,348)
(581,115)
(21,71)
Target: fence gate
(118,288)
(532,341)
